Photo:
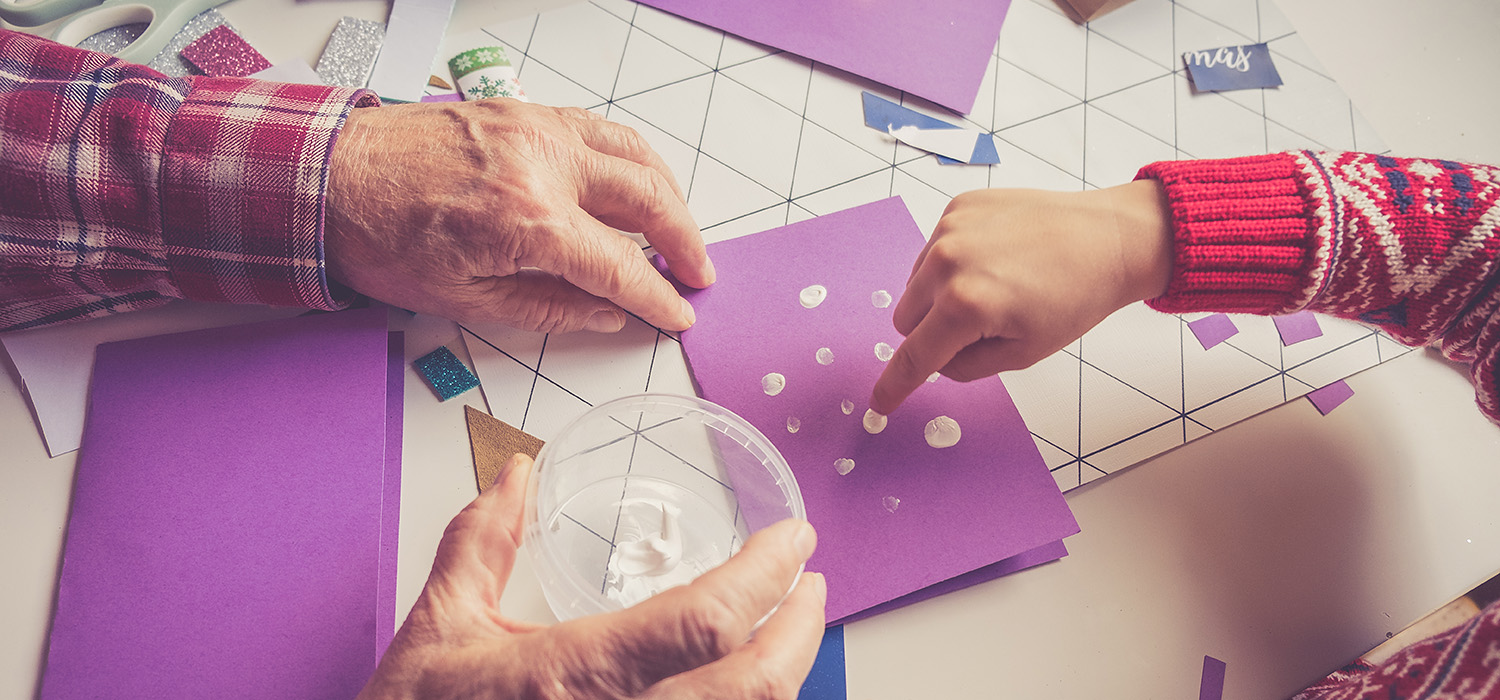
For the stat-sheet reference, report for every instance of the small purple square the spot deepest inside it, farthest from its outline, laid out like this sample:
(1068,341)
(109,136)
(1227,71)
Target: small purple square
(1295,328)
(1212,330)
(1329,397)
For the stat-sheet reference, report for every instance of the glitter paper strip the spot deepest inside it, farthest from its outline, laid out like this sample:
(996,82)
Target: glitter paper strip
(485,72)
(114,39)
(350,53)
(170,60)
(445,373)
(222,53)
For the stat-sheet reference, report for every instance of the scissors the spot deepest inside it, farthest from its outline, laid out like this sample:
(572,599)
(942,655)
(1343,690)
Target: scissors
(163,19)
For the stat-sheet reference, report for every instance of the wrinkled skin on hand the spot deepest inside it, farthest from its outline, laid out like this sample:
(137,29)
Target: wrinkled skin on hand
(498,210)
(687,642)
(1012,276)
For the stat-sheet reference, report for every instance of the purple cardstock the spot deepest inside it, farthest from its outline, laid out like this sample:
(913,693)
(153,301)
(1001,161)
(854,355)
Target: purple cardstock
(1041,555)
(226,527)
(981,501)
(390,497)
(1212,330)
(1295,328)
(937,50)
(1330,397)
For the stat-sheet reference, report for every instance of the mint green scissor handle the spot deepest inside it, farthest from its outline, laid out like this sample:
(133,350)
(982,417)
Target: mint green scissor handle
(32,14)
(163,19)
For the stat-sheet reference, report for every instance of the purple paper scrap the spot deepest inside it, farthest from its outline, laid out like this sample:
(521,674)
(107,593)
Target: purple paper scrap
(1297,327)
(1212,330)
(1211,687)
(443,97)
(1330,397)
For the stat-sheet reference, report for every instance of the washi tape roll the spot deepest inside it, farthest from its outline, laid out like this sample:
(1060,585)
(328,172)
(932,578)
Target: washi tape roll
(485,72)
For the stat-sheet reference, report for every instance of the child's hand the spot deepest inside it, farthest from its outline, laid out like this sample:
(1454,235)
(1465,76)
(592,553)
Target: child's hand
(1012,276)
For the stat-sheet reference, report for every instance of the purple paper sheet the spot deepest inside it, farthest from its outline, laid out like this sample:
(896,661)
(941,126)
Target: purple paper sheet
(390,497)
(1212,330)
(1327,398)
(224,539)
(1049,552)
(937,50)
(986,499)
(1295,328)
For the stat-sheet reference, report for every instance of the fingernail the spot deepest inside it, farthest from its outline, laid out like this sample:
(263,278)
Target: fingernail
(687,312)
(713,275)
(605,322)
(805,539)
(822,586)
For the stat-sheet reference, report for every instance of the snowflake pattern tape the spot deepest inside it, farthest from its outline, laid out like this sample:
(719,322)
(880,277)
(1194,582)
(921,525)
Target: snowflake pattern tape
(485,72)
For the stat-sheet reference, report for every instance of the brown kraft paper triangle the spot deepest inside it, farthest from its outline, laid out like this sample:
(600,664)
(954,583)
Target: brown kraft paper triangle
(493,442)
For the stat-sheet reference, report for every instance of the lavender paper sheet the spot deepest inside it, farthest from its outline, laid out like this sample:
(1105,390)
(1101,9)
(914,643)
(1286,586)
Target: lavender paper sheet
(937,50)
(986,499)
(225,532)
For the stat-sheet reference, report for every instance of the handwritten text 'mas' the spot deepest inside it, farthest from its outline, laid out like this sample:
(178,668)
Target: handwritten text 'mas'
(1236,57)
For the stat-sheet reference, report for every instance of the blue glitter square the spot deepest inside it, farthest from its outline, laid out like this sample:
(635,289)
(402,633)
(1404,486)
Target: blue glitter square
(445,373)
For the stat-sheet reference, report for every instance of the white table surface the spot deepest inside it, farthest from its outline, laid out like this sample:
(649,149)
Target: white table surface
(1285,545)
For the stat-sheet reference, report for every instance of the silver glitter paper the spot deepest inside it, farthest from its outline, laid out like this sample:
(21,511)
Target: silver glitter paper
(113,39)
(170,60)
(351,52)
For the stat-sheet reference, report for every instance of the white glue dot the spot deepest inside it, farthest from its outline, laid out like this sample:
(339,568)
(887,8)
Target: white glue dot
(880,298)
(844,465)
(883,352)
(891,503)
(942,432)
(824,356)
(812,296)
(773,383)
(793,424)
(847,407)
(933,377)
(874,422)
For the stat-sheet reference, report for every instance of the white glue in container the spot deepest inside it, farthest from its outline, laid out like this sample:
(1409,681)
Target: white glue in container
(645,493)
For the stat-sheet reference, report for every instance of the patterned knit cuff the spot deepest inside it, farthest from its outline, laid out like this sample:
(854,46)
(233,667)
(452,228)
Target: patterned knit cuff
(244,185)
(1246,237)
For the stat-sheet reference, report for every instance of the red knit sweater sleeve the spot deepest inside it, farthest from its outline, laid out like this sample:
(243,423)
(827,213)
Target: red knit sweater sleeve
(1410,245)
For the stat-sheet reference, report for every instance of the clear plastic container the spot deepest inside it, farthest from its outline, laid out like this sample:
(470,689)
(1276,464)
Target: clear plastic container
(645,493)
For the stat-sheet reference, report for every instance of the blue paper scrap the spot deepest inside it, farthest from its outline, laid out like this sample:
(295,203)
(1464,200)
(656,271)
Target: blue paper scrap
(883,115)
(445,373)
(826,681)
(1231,68)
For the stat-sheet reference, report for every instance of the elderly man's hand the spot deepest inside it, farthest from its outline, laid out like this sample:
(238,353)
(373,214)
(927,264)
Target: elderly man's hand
(687,642)
(498,210)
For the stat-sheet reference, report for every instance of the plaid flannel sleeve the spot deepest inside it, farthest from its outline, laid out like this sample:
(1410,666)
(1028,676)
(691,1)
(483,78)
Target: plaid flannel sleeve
(121,188)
